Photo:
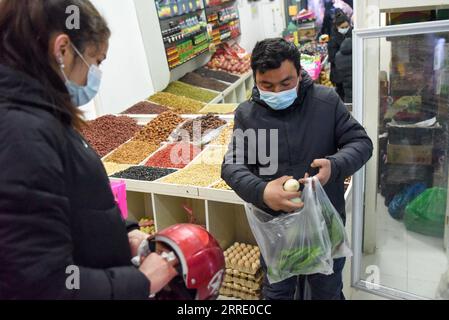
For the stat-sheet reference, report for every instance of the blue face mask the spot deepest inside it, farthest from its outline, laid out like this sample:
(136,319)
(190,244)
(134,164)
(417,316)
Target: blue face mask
(82,95)
(279,100)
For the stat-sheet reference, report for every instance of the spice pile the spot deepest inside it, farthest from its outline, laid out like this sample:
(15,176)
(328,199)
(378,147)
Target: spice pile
(177,103)
(177,155)
(222,185)
(143,173)
(200,175)
(196,79)
(192,127)
(132,152)
(112,167)
(106,133)
(225,137)
(204,171)
(159,129)
(220,108)
(219,75)
(145,107)
(244,276)
(186,90)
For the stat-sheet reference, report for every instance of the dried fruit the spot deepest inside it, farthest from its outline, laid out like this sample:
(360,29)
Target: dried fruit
(176,155)
(177,103)
(112,167)
(186,90)
(143,173)
(225,137)
(108,132)
(198,128)
(159,129)
(219,75)
(196,79)
(220,108)
(132,152)
(145,107)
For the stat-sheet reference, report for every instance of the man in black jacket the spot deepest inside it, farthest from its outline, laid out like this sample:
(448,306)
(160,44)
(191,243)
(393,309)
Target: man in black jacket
(308,131)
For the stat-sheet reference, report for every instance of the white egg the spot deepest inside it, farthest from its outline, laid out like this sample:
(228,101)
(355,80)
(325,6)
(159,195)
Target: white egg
(291,185)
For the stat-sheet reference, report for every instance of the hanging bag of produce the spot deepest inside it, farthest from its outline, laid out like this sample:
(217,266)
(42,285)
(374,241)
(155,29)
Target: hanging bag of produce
(293,244)
(426,213)
(335,226)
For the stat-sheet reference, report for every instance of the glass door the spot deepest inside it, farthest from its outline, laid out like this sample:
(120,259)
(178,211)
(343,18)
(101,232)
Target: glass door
(400,214)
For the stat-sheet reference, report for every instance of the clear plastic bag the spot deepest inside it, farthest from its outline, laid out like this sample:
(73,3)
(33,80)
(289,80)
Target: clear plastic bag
(293,244)
(335,226)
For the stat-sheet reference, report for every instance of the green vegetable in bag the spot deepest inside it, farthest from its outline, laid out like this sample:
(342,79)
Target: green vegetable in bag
(300,261)
(426,213)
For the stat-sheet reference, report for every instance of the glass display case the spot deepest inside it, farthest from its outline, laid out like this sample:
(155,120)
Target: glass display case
(400,213)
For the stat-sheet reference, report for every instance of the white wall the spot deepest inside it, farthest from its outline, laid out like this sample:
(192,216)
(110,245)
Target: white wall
(126,76)
(257,23)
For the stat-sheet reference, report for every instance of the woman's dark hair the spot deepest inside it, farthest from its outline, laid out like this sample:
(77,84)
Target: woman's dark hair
(269,54)
(340,17)
(26,27)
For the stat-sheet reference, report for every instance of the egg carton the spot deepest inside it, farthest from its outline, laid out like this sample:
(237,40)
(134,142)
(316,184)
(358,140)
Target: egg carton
(238,287)
(238,294)
(253,285)
(243,257)
(245,276)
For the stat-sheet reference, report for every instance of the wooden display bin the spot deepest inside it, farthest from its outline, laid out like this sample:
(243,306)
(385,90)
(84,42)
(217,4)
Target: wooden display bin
(169,210)
(228,224)
(139,206)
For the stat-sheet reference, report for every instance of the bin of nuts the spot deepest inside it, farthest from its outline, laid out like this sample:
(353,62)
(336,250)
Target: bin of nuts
(200,129)
(159,129)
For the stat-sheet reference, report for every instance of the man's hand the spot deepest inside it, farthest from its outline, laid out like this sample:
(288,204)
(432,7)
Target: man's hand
(324,173)
(277,199)
(135,238)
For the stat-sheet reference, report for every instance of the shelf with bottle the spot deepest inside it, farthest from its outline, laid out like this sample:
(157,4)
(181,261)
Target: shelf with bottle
(211,4)
(172,9)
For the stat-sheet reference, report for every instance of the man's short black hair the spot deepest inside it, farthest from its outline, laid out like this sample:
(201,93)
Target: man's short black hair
(269,54)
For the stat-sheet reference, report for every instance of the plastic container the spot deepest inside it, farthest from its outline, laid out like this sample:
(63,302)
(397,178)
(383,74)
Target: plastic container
(119,192)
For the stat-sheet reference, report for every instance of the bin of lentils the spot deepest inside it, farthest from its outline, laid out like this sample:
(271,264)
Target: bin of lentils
(143,173)
(198,80)
(108,132)
(186,90)
(219,75)
(159,129)
(207,122)
(132,152)
(175,155)
(145,107)
(177,103)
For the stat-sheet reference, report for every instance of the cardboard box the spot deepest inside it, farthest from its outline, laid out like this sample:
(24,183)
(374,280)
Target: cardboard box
(409,154)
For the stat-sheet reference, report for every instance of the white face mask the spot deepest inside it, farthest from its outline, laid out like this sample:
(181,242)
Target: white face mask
(343,30)
(82,95)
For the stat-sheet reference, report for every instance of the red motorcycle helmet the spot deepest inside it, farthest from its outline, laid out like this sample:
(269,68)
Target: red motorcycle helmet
(201,258)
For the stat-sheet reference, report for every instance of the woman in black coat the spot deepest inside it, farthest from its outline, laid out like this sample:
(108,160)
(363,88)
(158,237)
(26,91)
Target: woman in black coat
(343,62)
(341,30)
(61,233)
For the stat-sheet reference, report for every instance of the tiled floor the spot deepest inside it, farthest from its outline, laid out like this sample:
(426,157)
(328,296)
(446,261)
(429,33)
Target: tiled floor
(407,261)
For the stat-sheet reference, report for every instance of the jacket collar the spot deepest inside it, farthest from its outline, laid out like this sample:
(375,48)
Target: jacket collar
(23,91)
(304,86)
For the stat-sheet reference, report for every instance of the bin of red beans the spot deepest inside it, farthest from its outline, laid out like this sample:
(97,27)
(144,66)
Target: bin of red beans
(175,155)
